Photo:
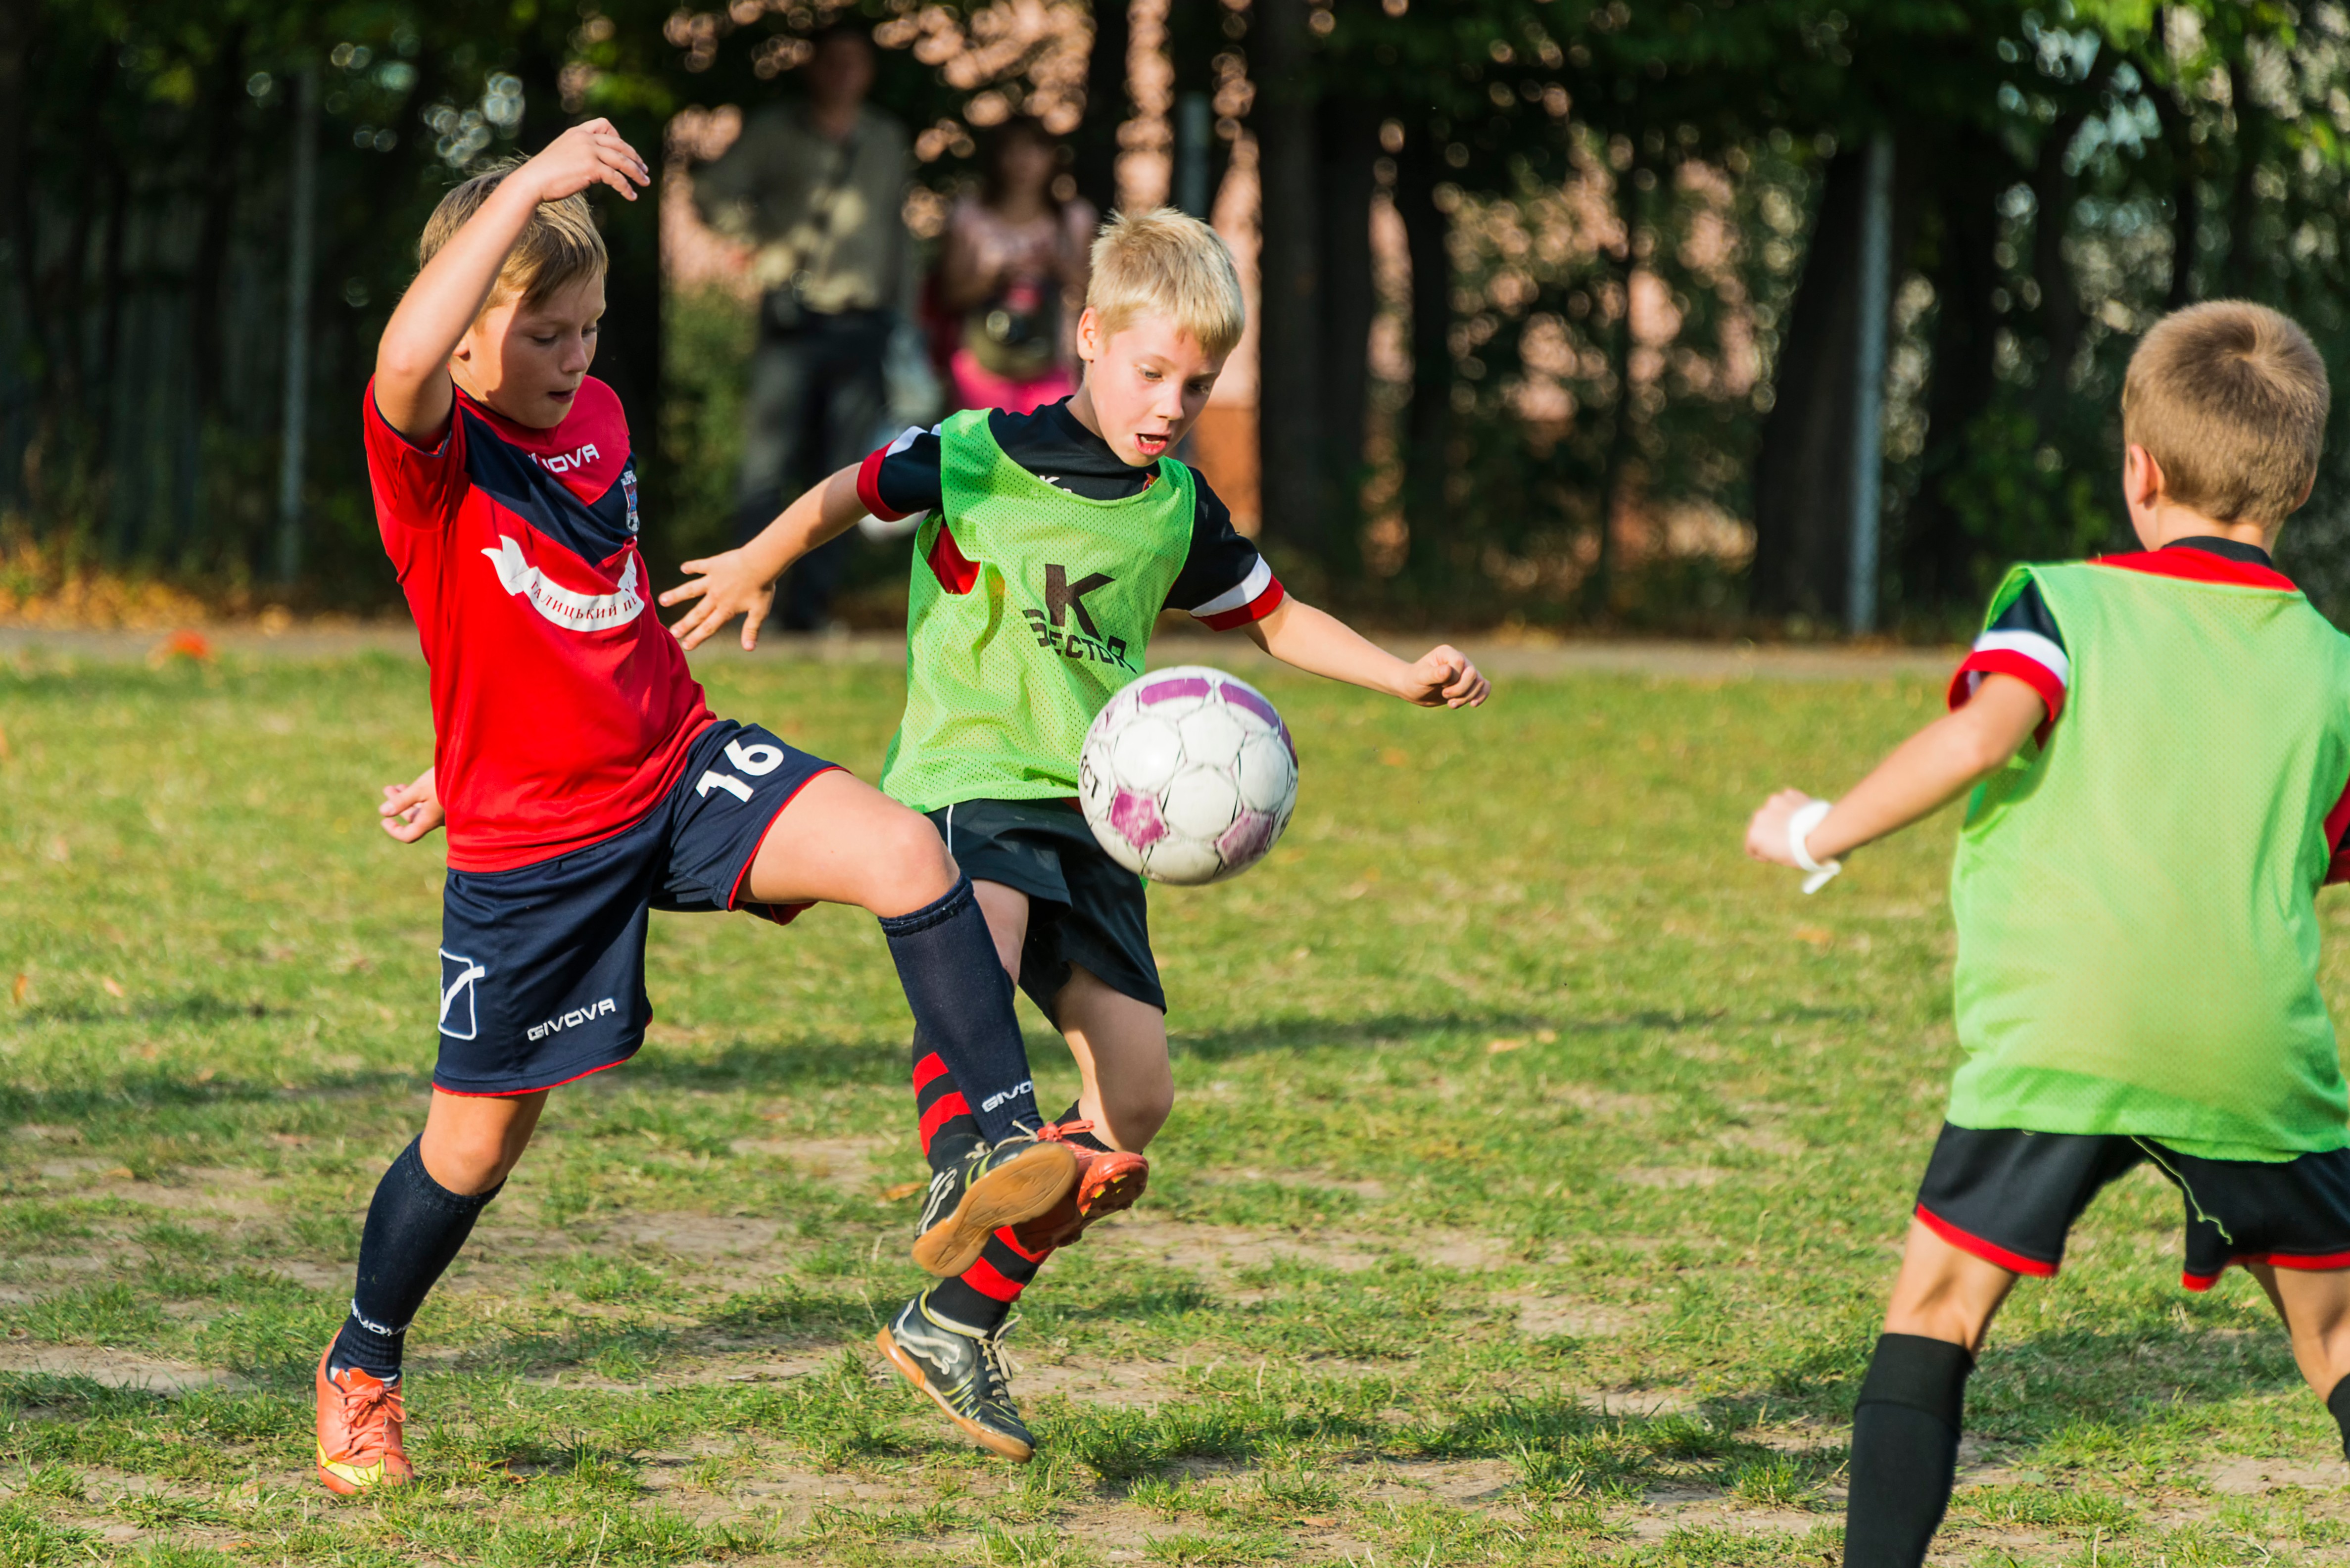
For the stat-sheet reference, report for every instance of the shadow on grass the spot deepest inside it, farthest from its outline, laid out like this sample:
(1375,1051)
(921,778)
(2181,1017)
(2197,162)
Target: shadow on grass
(202,1007)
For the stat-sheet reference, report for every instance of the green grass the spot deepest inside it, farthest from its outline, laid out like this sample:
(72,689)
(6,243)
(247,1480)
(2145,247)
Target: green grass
(1537,1175)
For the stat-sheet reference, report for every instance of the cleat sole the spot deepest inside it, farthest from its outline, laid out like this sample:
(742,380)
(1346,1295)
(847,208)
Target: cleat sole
(995,1443)
(1021,1190)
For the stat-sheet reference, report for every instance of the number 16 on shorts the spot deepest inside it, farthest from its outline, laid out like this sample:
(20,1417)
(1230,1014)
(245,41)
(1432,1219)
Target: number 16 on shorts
(757,760)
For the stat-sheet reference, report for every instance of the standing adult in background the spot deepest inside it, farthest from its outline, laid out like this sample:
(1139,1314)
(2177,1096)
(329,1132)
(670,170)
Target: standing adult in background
(818,186)
(1015,261)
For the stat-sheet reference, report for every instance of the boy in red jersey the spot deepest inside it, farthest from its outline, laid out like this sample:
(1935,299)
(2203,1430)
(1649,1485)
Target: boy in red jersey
(582,778)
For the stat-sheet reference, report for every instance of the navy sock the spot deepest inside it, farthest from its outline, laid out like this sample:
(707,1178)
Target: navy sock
(949,1129)
(2338,1404)
(962,1006)
(1905,1450)
(981,1296)
(1083,1139)
(415,1228)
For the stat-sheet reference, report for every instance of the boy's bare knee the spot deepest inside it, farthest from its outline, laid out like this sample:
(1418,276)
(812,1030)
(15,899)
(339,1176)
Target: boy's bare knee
(911,866)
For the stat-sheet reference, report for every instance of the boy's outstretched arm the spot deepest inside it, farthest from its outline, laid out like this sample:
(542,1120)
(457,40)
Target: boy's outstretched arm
(1925,772)
(411,361)
(742,581)
(1321,644)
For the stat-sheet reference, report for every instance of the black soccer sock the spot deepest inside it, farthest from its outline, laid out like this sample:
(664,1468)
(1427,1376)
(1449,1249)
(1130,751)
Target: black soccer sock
(415,1228)
(981,1297)
(2338,1403)
(962,1006)
(948,1129)
(1905,1450)
(1091,1140)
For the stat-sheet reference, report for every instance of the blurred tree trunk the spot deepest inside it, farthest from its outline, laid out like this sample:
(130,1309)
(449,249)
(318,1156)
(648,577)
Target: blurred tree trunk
(1936,556)
(1289,372)
(1598,587)
(1195,37)
(1803,482)
(1106,106)
(2186,170)
(225,97)
(1427,419)
(2062,320)
(2239,269)
(1347,130)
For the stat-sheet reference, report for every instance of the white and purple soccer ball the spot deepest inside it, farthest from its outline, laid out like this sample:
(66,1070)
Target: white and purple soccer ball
(1187,776)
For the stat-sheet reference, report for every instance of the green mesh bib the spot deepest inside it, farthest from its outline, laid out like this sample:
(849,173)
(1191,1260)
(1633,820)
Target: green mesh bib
(1003,679)
(2136,901)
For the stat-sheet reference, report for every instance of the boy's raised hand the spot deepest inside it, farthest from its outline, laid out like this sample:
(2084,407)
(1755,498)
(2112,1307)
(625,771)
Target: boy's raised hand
(589,153)
(1444,678)
(410,811)
(728,585)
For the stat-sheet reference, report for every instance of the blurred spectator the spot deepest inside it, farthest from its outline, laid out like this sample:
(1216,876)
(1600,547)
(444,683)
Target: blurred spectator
(1013,273)
(817,186)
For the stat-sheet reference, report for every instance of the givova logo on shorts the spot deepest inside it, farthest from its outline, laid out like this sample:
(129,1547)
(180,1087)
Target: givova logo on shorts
(458,1020)
(573,1019)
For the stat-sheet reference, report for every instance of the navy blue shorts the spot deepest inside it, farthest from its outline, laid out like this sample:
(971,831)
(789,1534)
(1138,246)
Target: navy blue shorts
(1084,907)
(2010,1197)
(543,966)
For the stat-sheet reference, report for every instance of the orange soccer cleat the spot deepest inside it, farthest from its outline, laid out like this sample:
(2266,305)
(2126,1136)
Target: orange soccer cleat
(359,1419)
(1108,1181)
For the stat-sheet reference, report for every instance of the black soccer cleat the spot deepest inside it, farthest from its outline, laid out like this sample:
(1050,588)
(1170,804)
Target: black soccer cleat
(990,1187)
(963,1372)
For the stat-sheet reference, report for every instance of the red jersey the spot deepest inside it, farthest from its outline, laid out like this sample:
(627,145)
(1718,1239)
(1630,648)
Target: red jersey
(562,708)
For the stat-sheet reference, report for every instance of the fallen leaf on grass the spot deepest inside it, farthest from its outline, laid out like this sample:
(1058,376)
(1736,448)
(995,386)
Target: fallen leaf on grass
(120,1173)
(1317,1521)
(1818,936)
(16,992)
(1495,1047)
(1395,757)
(902,1190)
(206,1075)
(113,987)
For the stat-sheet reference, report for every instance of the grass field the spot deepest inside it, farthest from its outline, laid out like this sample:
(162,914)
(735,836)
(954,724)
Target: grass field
(1537,1174)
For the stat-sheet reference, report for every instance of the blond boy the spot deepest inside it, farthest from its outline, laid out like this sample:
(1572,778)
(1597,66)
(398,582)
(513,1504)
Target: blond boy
(1050,544)
(583,780)
(2159,745)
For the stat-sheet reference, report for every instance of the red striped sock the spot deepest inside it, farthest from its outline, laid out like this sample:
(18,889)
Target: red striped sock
(983,1295)
(947,1126)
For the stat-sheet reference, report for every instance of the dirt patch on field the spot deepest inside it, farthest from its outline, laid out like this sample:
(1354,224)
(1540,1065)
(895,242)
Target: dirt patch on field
(1225,1249)
(116,1369)
(1369,1192)
(702,1237)
(861,1166)
(1670,1176)
(1541,1316)
(2250,1477)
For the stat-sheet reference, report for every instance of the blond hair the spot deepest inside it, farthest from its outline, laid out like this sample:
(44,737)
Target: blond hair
(1166,262)
(559,247)
(2229,398)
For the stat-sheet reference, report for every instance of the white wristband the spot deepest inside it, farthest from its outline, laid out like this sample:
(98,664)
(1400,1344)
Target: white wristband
(1799,829)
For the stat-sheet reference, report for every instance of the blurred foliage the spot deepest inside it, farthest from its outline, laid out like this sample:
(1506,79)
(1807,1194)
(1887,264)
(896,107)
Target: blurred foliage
(2068,171)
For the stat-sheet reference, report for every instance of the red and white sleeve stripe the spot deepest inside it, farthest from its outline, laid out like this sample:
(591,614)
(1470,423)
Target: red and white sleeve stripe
(1257,595)
(2036,660)
(868,475)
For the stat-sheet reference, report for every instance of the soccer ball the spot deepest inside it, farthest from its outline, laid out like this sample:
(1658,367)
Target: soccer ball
(1187,776)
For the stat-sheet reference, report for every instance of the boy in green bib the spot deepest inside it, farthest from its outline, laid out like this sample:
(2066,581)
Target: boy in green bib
(2158,750)
(1048,545)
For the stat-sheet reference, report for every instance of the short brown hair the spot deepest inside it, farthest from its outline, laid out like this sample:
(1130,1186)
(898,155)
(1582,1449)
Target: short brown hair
(559,247)
(1165,262)
(2229,398)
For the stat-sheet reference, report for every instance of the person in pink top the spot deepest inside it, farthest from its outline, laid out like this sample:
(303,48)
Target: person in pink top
(1014,260)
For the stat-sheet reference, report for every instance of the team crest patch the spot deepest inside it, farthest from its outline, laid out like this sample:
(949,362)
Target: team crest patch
(458,1019)
(628,492)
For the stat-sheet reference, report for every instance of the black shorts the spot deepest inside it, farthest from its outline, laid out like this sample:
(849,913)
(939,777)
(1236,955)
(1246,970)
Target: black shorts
(543,966)
(2009,1196)
(1084,907)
